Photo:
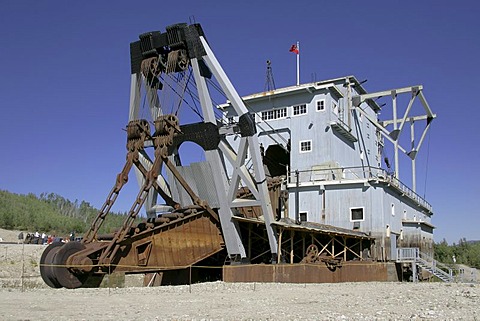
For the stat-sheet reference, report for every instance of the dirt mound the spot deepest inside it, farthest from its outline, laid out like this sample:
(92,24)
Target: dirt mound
(10,235)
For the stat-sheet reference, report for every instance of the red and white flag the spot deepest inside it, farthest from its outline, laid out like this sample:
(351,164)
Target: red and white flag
(294,49)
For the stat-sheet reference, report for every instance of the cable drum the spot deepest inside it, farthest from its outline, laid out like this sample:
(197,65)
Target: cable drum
(137,128)
(161,127)
(182,60)
(177,61)
(151,67)
(166,125)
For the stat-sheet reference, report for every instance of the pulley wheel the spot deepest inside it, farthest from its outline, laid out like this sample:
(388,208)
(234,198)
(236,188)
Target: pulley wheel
(46,262)
(63,275)
(312,249)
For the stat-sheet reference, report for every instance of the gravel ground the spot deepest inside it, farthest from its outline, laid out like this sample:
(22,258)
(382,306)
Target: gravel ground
(248,301)
(28,298)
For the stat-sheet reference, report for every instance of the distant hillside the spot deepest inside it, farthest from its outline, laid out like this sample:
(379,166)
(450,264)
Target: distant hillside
(50,213)
(473,242)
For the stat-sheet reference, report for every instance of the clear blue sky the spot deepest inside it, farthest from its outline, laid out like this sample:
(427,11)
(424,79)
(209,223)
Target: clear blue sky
(65,78)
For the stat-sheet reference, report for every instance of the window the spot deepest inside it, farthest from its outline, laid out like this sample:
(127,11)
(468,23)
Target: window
(303,216)
(393,209)
(305,146)
(356,214)
(274,114)
(299,110)
(321,105)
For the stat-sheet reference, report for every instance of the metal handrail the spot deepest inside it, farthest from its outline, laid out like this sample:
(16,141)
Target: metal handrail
(345,174)
(433,266)
(429,258)
(407,254)
(413,254)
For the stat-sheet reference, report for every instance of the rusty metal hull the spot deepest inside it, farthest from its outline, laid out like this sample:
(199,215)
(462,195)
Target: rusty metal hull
(175,246)
(311,273)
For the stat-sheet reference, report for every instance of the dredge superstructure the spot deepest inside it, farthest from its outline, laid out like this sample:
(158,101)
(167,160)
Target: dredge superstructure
(250,200)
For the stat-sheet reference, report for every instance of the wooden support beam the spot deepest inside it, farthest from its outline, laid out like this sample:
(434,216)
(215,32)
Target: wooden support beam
(249,241)
(279,253)
(292,234)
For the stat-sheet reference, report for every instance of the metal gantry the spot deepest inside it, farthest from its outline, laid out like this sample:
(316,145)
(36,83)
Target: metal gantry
(398,121)
(200,58)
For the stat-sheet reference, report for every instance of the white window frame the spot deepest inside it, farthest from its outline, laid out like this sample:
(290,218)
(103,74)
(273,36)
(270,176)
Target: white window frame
(309,141)
(393,209)
(281,111)
(301,110)
(357,208)
(274,114)
(316,105)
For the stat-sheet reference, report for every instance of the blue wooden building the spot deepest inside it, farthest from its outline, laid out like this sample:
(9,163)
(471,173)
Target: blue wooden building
(327,142)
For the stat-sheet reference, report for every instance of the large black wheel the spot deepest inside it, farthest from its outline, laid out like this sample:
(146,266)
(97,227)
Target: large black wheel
(46,264)
(63,275)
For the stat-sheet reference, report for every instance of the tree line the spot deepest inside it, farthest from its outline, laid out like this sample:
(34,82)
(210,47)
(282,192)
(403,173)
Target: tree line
(465,252)
(52,214)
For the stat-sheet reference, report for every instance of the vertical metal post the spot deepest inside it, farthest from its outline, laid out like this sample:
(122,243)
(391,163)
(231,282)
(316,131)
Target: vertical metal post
(414,170)
(298,64)
(349,103)
(135,85)
(324,199)
(190,279)
(23,263)
(395,127)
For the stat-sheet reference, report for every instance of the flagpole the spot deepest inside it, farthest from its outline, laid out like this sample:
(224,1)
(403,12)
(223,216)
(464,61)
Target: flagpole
(298,63)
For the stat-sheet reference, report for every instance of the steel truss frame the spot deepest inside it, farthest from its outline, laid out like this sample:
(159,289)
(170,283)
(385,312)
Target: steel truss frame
(393,135)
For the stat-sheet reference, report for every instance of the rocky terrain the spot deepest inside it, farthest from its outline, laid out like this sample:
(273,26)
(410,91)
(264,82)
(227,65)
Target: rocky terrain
(23,296)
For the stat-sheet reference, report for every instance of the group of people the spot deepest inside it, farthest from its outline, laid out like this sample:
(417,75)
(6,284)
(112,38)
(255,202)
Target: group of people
(37,238)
